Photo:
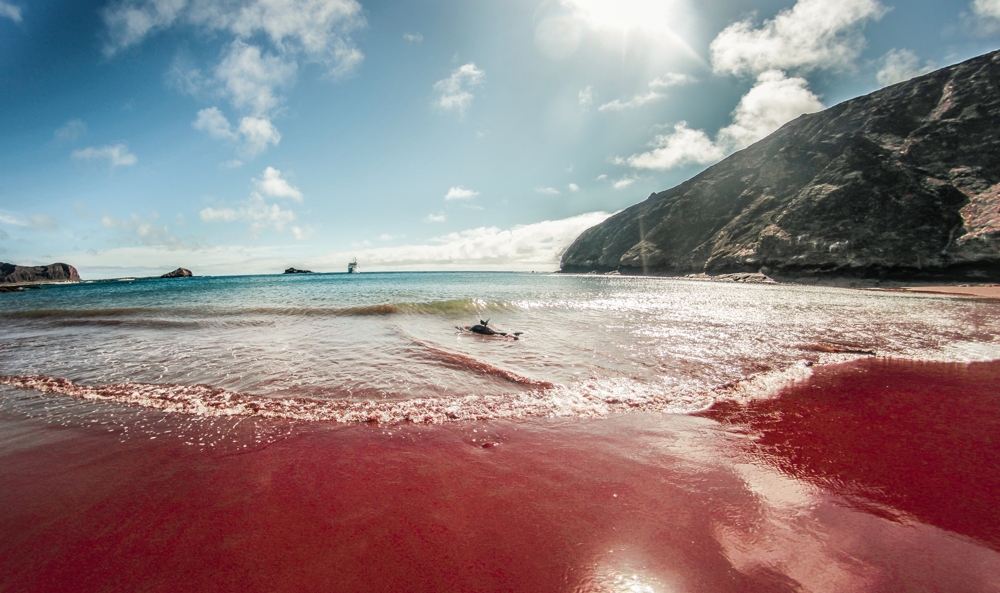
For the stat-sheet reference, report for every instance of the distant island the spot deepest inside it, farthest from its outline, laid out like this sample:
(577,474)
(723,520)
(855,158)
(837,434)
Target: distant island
(902,184)
(178,273)
(57,272)
(297,271)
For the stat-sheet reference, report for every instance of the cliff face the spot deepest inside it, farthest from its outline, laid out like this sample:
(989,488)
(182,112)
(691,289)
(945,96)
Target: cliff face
(903,183)
(10,273)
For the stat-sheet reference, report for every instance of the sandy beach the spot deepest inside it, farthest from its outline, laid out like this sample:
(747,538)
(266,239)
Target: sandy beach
(987,291)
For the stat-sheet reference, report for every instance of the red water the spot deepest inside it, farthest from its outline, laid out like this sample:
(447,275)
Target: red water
(872,476)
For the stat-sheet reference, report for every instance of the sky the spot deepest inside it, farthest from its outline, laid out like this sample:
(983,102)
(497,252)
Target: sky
(244,137)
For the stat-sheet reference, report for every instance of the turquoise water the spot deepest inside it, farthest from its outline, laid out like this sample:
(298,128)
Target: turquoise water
(384,346)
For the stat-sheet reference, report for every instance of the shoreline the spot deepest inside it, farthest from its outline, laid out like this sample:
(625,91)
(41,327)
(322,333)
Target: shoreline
(873,463)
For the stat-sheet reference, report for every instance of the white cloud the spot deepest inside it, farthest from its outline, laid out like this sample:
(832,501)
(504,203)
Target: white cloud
(601,177)
(255,211)
(212,121)
(303,233)
(774,101)
(986,8)
(10,11)
(460,193)
(533,246)
(72,130)
(251,79)
(232,164)
(683,146)
(636,101)
(274,186)
(574,187)
(670,79)
(455,92)
(902,64)
(258,133)
(145,232)
(33,221)
(117,155)
(319,29)
(413,37)
(548,191)
(435,218)
(586,97)
(623,183)
(254,133)
(813,34)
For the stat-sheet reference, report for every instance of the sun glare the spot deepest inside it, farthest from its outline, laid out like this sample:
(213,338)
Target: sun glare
(626,14)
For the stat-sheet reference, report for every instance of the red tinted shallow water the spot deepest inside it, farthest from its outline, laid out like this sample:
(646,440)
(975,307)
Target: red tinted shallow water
(872,476)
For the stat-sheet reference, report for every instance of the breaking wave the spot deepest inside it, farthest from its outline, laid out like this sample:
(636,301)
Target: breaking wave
(592,398)
(441,307)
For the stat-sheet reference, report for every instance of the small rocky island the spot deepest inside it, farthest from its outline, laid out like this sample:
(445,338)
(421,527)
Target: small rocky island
(297,271)
(178,273)
(902,184)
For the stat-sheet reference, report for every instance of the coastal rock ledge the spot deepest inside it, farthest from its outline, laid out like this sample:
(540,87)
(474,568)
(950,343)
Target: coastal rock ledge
(14,274)
(901,184)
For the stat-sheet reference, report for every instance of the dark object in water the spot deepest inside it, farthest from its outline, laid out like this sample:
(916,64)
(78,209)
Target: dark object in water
(482,328)
(838,349)
(178,273)
(297,271)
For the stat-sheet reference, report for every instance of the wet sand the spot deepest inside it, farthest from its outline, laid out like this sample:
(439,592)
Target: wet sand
(876,475)
(990,292)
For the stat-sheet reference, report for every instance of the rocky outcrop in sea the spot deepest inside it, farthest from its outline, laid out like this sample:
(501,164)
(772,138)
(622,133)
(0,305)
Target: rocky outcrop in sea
(58,272)
(901,184)
(178,273)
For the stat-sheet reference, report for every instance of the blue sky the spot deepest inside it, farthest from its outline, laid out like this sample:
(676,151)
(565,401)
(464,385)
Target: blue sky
(247,136)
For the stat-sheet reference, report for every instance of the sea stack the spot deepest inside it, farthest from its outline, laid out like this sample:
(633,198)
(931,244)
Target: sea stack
(901,184)
(57,272)
(297,271)
(178,273)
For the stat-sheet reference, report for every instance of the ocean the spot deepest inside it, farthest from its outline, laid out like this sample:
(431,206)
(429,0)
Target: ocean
(340,432)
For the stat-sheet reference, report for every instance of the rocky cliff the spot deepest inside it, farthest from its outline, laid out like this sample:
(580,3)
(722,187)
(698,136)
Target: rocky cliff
(903,183)
(10,273)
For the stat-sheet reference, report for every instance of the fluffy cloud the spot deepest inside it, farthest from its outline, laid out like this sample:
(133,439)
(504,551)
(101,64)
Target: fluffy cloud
(72,130)
(255,134)
(435,218)
(623,182)
(670,79)
(986,8)
(10,11)
(813,34)
(117,155)
(460,193)
(533,246)
(255,211)
(774,100)
(574,187)
(319,29)
(251,79)
(455,92)
(548,191)
(213,122)
(145,232)
(683,146)
(636,101)
(259,214)
(271,184)
(902,64)
(586,97)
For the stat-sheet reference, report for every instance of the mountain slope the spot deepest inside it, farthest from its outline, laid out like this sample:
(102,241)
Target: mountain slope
(903,183)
